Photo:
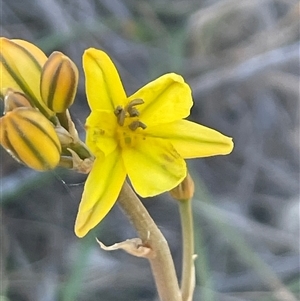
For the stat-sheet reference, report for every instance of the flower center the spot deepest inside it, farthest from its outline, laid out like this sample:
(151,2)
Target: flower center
(127,118)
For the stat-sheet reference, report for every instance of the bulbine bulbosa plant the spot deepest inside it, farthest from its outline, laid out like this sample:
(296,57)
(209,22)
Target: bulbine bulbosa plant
(144,137)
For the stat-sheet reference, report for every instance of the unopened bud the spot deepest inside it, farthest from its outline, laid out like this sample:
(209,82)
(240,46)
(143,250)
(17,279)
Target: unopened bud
(59,82)
(13,100)
(30,138)
(21,65)
(185,190)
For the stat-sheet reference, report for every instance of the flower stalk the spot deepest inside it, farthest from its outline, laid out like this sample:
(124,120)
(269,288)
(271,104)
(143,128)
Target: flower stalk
(161,264)
(188,268)
(184,193)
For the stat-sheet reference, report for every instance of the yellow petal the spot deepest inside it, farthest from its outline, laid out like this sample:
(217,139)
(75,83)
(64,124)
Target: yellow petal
(166,99)
(30,138)
(101,128)
(21,65)
(59,80)
(153,166)
(104,88)
(100,193)
(193,140)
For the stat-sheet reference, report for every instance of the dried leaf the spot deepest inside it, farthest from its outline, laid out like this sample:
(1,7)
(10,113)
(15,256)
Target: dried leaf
(132,246)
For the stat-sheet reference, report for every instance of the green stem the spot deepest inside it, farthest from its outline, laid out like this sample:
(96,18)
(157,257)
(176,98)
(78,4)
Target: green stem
(188,269)
(162,264)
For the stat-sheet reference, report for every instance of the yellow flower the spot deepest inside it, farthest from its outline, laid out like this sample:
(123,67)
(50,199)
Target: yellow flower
(143,136)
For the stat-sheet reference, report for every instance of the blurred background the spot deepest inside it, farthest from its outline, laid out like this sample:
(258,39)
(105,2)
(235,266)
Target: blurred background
(241,59)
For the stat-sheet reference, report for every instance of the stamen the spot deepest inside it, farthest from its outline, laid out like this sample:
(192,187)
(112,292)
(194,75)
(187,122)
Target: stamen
(136,124)
(120,113)
(133,112)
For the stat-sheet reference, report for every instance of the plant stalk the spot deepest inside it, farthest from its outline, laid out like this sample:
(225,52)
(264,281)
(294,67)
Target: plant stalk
(161,264)
(188,267)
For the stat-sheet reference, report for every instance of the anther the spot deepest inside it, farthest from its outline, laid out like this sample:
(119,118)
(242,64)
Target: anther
(136,124)
(133,112)
(120,113)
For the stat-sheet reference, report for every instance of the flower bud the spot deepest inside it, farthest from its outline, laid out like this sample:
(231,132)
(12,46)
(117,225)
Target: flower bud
(13,100)
(59,82)
(21,65)
(185,190)
(30,138)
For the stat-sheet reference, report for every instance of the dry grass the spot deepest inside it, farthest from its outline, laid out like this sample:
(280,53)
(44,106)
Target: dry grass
(242,60)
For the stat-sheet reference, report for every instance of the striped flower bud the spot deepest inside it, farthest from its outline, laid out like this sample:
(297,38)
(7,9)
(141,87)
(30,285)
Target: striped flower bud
(30,138)
(13,100)
(21,66)
(59,82)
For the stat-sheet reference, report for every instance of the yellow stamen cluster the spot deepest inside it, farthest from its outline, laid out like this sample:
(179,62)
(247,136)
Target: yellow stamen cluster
(131,112)
(127,118)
